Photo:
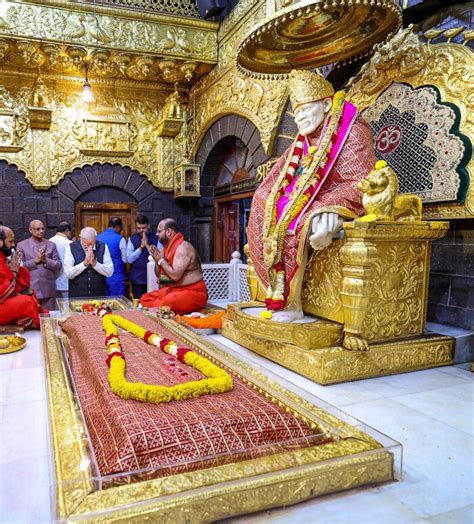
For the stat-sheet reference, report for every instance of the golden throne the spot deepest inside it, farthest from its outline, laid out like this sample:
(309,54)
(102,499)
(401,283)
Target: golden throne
(368,291)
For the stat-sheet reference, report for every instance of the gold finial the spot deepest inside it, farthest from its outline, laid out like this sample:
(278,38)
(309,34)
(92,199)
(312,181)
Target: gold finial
(308,86)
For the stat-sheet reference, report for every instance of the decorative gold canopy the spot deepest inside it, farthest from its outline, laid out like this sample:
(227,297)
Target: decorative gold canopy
(314,33)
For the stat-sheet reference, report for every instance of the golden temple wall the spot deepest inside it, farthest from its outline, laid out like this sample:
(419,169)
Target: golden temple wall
(120,127)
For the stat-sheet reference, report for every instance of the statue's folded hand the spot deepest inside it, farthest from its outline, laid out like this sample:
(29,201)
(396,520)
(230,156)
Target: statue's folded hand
(324,227)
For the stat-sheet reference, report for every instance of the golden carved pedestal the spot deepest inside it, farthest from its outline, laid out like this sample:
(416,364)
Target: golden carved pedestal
(372,290)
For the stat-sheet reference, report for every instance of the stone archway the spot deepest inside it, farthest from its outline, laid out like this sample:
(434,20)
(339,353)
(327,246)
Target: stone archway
(218,140)
(107,182)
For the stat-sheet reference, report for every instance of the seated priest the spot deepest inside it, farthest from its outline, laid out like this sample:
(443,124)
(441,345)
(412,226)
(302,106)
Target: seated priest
(179,272)
(87,263)
(18,303)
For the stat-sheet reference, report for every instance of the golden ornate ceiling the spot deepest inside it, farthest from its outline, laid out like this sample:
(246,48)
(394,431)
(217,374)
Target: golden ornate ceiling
(113,42)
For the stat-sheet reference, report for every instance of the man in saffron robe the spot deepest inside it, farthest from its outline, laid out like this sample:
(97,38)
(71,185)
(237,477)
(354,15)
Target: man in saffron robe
(179,271)
(308,194)
(18,303)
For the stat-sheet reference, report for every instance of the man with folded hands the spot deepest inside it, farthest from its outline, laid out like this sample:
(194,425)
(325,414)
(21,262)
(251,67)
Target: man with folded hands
(179,272)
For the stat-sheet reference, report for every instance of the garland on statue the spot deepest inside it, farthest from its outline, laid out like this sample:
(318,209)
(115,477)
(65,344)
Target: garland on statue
(308,176)
(217,381)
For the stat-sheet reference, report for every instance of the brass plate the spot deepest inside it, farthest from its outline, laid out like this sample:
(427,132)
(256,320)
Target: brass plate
(307,34)
(15,343)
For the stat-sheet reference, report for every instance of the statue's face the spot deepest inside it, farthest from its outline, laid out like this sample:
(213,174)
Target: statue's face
(309,117)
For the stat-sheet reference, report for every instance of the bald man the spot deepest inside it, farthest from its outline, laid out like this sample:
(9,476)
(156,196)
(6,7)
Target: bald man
(41,258)
(87,263)
(179,272)
(18,304)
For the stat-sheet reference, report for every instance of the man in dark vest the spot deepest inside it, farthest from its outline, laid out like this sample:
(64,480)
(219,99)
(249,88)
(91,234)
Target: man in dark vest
(138,253)
(118,252)
(87,263)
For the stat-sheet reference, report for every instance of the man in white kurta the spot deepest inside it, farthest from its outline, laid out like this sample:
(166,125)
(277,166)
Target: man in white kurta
(62,239)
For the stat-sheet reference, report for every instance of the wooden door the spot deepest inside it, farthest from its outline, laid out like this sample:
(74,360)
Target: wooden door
(97,215)
(227,235)
(231,230)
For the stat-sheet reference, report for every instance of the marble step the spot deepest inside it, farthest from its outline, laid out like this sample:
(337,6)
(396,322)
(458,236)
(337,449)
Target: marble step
(464,346)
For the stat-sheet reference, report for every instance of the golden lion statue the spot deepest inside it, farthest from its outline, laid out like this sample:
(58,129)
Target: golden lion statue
(381,200)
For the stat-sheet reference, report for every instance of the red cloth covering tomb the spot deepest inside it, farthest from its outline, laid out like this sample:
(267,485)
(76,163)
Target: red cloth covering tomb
(179,436)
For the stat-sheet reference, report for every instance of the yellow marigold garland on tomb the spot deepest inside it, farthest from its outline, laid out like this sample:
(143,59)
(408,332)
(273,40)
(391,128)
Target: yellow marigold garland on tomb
(217,380)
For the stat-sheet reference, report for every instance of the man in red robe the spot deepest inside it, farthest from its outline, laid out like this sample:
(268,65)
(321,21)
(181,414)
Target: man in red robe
(179,271)
(18,303)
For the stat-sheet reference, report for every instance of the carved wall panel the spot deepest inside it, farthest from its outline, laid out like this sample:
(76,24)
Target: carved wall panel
(122,129)
(261,101)
(40,157)
(397,305)
(164,35)
(323,282)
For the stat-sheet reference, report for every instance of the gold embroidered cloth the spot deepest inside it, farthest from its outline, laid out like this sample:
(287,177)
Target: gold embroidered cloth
(179,436)
(419,138)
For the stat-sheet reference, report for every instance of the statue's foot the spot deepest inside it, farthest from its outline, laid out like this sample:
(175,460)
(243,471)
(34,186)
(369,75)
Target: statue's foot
(287,315)
(355,343)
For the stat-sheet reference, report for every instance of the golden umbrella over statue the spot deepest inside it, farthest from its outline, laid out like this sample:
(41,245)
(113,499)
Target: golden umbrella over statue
(310,34)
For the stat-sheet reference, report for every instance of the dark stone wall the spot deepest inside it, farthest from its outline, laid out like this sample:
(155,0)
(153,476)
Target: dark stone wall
(20,202)
(451,291)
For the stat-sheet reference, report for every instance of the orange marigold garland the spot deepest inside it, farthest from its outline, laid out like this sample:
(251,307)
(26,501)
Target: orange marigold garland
(217,380)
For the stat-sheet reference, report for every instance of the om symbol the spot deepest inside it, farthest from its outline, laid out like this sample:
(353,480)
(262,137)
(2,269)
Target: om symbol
(388,139)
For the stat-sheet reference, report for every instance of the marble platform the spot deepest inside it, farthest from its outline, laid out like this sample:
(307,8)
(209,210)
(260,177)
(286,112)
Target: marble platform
(430,412)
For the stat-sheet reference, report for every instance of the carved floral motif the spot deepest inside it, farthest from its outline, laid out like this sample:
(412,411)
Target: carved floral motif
(397,300)
(323,282)
(261,101)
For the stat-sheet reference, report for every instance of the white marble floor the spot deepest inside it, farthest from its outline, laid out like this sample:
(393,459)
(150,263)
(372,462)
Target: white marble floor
(430,412)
